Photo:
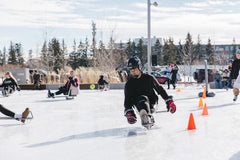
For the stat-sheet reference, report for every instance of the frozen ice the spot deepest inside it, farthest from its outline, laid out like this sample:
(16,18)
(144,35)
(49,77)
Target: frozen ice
(92,126)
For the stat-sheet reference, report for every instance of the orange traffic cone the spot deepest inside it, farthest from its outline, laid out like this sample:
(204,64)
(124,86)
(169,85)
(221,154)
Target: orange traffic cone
(204,93)
(179,90)
(200,104)
(205,110)
(191,123)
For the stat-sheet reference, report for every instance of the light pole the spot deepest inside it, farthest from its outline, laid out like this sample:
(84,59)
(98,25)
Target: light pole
(149,36)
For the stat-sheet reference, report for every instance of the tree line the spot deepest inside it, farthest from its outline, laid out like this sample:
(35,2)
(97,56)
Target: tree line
(55,56)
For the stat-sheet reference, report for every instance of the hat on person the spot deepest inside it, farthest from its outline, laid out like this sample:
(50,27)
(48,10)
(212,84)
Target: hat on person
(238,51)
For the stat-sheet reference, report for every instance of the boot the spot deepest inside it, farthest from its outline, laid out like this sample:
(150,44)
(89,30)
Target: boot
(144,117)
(24,115)
(50,94)
(235,98)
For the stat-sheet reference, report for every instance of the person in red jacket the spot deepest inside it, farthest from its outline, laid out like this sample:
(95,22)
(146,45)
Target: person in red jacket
(140,93)
(72,80)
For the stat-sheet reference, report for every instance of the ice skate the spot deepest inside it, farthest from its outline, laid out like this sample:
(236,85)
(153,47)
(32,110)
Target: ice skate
(146,119)
(151,118)
(235,98)
(50,94)
(24,115)
(4,93)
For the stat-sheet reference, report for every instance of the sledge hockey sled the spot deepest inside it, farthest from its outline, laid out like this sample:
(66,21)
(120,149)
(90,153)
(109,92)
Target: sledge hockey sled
(105,87)
(29,117)
(7,92)
(73,92)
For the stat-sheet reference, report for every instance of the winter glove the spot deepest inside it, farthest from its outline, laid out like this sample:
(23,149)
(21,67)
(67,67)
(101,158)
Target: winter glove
(130,115)
(72,82)
(170,105)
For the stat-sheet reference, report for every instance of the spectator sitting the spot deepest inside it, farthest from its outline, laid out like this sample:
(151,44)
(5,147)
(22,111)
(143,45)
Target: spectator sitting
(218,80)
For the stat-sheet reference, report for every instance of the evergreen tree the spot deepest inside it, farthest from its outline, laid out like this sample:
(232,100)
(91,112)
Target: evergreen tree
(74,56)
(173,51)
(198,50)
(140,51)
(180,53)
(122,54)
(56,54)
(12,59)
(157,50)
(189,53)
(210,53)
(83,50)
(19,55)
(4,55)
(1,58)
(102,57)
(131,49)
(169,52)
(45,56)
(128,49)
(134,49)
(166,53)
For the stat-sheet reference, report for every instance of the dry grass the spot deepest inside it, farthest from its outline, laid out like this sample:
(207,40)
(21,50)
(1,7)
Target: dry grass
(90,75)
(85,75)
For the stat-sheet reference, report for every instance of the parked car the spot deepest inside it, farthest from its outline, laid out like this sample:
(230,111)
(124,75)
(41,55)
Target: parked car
(164,73)
(161,79)
(199,75)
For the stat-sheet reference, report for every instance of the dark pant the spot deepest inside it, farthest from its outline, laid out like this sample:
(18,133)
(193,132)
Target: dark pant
(229,82)
(169,81)
(9,89)
(37,85)
(142,102)
(6,111)
(62,90)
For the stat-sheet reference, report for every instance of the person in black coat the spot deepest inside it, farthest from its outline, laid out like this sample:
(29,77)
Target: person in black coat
(9,84)
(140,94)
(102,83)
(173,76)
(36,80)
(234,75)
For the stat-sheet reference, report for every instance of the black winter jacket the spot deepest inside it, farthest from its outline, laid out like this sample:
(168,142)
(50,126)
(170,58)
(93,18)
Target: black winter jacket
(101,81)
(235,68)
(145,85)
(9,82)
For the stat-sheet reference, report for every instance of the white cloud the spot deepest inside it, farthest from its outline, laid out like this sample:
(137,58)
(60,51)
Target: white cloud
(35,13)
(212,3)
(166,21)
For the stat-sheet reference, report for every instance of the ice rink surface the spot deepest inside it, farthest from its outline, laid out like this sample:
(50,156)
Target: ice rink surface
(92,126)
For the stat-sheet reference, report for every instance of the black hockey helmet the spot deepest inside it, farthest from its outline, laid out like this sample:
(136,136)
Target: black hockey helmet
(134,62)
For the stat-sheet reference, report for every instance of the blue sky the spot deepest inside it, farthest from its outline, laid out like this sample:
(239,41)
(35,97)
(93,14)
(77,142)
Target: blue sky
(32,21)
